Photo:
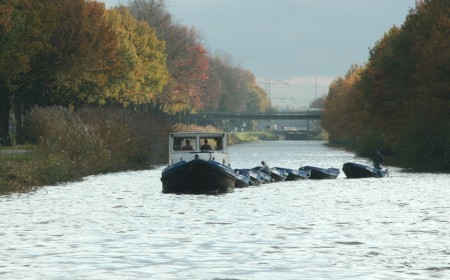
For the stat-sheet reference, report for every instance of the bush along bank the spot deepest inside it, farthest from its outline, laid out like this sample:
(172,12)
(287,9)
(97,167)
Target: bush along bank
(71,145)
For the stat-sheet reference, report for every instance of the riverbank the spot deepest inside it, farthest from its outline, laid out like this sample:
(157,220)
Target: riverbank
(24,170)
(68,146)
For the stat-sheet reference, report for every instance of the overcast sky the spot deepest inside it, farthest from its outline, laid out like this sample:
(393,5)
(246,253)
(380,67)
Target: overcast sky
(294,43)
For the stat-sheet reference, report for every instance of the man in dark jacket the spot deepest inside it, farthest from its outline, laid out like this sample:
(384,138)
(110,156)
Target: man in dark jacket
(377,159)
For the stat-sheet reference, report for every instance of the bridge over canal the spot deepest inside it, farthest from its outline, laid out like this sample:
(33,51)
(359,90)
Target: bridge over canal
(298,115)
(308,116)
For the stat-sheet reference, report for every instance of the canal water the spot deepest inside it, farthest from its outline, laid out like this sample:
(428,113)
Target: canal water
(120,226)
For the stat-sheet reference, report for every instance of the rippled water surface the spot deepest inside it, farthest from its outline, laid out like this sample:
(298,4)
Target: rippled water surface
(120,226)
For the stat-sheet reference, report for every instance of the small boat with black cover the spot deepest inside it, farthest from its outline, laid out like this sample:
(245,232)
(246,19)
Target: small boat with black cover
(257,178)
(293,174)
(242,180)
(356,170)
(321,173)
(276,175)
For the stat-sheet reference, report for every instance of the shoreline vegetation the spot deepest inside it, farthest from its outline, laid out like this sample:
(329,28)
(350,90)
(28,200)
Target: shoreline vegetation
(66,146)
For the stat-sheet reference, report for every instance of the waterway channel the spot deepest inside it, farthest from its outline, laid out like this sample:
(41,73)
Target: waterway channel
(120,226)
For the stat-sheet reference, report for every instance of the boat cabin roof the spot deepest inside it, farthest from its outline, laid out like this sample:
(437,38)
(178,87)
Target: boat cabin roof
(201,134)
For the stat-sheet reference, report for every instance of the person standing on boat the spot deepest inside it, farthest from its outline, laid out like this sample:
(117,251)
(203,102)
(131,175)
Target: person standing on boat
(265,168)
(205,146)
(188,146)
(377,159)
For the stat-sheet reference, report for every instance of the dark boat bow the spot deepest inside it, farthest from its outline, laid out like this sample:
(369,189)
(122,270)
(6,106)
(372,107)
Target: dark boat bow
(198,176)
(356,170)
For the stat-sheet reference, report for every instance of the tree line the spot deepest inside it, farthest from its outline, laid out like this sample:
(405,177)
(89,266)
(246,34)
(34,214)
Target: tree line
(399,100)
(74,53)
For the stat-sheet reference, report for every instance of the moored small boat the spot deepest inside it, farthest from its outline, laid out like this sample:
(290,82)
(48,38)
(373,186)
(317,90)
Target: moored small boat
(194,169)
(356,170)
(242,180)
(321,173)
(257,178)
(293,175)
(275,174)
(266,178)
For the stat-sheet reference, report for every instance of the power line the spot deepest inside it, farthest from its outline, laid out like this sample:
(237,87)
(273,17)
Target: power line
(268,83)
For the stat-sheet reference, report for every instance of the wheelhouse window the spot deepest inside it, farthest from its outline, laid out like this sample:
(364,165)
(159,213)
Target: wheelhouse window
(197,143)
(211,144)
(184,144)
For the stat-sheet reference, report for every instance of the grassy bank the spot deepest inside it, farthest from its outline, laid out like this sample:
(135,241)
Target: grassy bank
(67,146)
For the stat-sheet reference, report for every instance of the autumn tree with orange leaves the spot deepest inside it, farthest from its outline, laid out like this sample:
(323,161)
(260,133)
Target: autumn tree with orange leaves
(198,80)
(187,59)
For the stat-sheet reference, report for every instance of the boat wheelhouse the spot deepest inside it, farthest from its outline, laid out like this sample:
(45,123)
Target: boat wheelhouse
(198,163)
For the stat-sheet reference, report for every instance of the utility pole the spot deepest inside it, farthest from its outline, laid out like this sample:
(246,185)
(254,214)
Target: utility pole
(316,88)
